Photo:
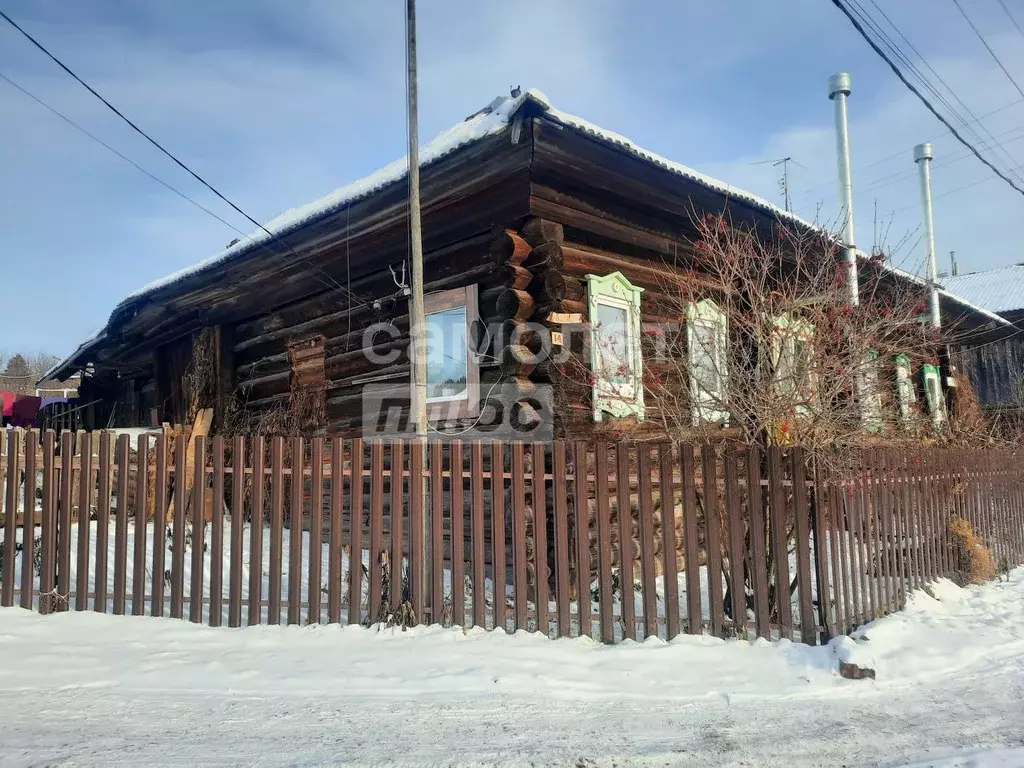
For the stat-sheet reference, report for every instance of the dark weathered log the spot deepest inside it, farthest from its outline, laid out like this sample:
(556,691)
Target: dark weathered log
(564,306)
(514,276)
(526,415)
(546,256)
(509,248)
(515,305)
(552,287)
(539,231)
(517,360)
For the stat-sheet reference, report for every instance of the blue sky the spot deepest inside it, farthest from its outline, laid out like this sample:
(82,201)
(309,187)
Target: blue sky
(277,103)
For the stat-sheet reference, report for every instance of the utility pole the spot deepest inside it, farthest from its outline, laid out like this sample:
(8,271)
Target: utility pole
(838,92)
(923,157)
(417,319)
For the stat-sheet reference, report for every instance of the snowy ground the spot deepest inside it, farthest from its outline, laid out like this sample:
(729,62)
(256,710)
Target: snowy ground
(93,690)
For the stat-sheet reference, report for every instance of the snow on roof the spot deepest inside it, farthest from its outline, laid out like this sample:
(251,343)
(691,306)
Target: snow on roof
(491,120)
(999,290)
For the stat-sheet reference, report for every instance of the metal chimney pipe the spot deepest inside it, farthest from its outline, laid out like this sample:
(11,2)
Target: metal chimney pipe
(838,92)
(923,157)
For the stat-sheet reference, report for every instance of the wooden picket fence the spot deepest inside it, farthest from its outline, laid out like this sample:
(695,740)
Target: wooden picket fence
(611,540)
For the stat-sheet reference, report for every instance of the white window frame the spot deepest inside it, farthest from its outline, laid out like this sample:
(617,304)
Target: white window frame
(707,406)
(616,398)
(466,404)
(870,394)
(905,391)
(936,404)
(788,330)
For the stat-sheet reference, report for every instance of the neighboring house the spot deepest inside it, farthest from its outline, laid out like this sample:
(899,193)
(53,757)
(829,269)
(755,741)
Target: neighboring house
(528,214)
(994,363)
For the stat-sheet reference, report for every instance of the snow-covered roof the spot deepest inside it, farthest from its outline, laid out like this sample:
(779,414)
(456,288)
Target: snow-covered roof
(999,290)
(493,119)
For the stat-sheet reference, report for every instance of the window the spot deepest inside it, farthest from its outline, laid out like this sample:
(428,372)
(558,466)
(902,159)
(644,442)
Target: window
(793,353)
(905,387)
(933,392)
(707,338)
(453,371)
(614,307)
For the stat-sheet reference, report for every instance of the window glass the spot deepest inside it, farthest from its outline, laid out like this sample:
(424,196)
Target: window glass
(705,357)
(447,356)
(613,344)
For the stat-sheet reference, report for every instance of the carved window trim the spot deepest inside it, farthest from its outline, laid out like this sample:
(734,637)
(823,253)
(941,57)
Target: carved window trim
(620,399)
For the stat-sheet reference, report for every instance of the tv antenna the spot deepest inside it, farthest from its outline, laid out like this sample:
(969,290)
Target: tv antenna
(784,179)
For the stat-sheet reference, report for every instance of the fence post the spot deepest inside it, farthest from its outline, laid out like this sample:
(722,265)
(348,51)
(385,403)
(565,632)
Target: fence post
(498,543)
(159,525)
(47,573)
(85,485)
(316,528)
(237,531)
(217,536)
(562,600)
(582,526)
(604,541)
(139,557)
(14,441)
(397,505)
(801,515)
(777,494)
(295,526)
(256,528)
(374,600)
(28,521)
(666,487)
(758,536)
(67,477)
(195,592)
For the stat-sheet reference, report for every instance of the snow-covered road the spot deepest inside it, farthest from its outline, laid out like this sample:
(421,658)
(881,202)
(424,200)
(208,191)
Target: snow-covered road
(93,690)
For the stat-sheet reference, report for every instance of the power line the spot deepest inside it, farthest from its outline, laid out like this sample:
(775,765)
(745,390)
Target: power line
(178,162)
(989,47)
(966,123)
(1012,20)
(913,89)
(902,152)
(127,159)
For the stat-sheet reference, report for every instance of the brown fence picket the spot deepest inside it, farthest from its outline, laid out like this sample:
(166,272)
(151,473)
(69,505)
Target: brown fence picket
(14,440)
(777,495)
(646,506)
(759,545)
(519,536)
(561,544)
(298,448)
(713,536)
(436,532)
(374,597)
(801,517)
(562,600)
(156,605)
(666,487)
(880,564)
(141,519)
(737,550)
(85,488)
(316,529)
(690,539)
(581,524)
(121,523)
(604,544)
(397,486)
(895,526)
(216,546)
(195,592)
(417,554)
(177,525)
(924,506)
(355,559)
(66,501)
(256,529)
(476,533)
(627,552)
(276,529)
(823,562)
(870,551)
(237,532)
(538,488)
(498,552)
(334,569)
(28,531)
(48,527)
